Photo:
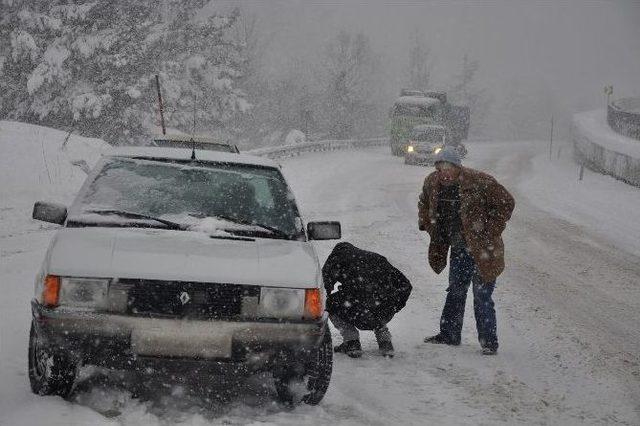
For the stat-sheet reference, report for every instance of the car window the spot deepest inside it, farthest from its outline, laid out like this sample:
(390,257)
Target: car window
(158,188)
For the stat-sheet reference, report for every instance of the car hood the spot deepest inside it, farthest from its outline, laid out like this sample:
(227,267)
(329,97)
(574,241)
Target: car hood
(181,256)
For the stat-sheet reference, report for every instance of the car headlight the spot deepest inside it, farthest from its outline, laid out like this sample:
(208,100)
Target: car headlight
(410,148)
(437,150)
(83,292)
(281,303)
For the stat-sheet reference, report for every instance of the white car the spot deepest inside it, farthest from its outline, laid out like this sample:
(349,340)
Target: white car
(425,141)
(167,261)
(198,142)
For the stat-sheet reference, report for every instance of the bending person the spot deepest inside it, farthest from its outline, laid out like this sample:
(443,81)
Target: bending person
(371,292)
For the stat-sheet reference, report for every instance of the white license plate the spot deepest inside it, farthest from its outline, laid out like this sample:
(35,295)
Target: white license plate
(180,338)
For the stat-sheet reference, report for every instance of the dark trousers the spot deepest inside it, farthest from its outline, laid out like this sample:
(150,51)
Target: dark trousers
(462,272)
(350,332)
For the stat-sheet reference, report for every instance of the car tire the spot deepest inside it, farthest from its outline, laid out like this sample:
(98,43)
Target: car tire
(312,386)
(50,373)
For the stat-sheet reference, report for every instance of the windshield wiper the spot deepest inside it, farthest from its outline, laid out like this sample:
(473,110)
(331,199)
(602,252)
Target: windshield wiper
(271,229)
(169,224)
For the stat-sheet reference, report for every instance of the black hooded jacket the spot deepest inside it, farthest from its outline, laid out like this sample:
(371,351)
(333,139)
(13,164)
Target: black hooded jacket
(371,291)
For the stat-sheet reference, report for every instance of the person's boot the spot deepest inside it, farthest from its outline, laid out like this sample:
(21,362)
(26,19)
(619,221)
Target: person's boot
(489,351)
(440,339)
(386,348)
(351,347)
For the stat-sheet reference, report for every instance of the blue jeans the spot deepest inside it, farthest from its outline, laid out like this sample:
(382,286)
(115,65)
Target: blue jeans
(462,272)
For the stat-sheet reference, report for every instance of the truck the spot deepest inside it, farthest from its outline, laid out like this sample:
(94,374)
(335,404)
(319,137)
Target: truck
(413,108)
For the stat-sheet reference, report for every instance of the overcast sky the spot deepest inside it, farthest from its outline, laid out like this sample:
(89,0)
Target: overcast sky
(571,48)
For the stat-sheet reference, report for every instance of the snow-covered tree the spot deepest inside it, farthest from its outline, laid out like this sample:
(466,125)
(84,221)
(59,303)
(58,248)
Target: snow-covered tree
(91,65)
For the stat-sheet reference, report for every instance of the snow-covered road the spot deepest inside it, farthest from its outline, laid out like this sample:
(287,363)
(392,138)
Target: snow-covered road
(568,318)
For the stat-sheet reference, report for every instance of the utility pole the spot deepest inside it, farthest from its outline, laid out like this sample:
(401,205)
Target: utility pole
(551,140)
(193,131)
(164,129)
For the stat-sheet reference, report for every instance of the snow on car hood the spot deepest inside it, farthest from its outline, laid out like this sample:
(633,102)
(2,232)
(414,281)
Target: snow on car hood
(181,256)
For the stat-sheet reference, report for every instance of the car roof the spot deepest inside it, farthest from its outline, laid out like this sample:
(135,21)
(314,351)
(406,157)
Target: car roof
(417,100)
(189,138)
(185,154)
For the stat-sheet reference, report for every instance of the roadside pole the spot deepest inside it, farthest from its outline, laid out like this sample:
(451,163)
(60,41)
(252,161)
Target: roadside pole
(608,90)
(551,140)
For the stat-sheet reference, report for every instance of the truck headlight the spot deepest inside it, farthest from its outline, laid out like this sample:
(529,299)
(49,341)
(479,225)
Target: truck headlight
(83,292)
(281,303)
(410,148)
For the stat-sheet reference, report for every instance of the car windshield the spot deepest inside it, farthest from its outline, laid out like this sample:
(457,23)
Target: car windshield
(429,135)
(204,196)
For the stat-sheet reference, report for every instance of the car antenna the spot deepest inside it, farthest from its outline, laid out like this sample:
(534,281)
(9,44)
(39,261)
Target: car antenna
(193,130)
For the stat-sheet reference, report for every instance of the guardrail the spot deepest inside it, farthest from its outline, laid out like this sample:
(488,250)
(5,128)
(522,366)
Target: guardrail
(623,117)
(603,150)
(286,151)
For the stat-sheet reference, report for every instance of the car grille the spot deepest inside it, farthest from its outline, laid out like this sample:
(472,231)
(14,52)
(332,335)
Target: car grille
(424,149)
(188,299)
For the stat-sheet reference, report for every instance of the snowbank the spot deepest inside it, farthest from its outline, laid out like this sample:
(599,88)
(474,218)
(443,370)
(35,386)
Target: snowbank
(294,137)
(36,159)
(604,150)
(598,203)
(36,163)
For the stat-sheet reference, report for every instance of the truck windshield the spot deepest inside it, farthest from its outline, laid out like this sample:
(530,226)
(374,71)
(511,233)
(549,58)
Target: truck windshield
(194,192)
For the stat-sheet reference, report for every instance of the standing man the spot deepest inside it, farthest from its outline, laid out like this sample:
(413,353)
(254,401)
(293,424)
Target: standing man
(371,292)
(465,210)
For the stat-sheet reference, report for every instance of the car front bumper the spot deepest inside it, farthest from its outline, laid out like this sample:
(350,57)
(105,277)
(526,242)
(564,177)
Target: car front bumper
(123,341)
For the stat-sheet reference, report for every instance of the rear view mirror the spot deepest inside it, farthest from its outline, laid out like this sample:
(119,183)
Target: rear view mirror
(49,212)
(324,230)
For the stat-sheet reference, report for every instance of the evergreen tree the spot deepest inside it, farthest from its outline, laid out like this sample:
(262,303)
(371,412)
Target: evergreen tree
(91,65)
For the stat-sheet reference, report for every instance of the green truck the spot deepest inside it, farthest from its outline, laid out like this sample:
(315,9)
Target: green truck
(415,108)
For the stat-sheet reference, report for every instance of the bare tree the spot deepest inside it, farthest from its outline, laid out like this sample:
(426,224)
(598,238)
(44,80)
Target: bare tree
(420,66)
(465,91)
(349,68)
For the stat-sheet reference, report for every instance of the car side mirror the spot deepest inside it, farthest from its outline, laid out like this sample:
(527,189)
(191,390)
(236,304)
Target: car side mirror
(324,230)
(49,212)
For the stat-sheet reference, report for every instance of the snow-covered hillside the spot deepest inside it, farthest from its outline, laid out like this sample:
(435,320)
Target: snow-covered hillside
(36,160)
(35,164)
(568,304)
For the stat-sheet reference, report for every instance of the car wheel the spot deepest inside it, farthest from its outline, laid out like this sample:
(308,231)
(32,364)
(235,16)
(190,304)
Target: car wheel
(312,386)
(50,373)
